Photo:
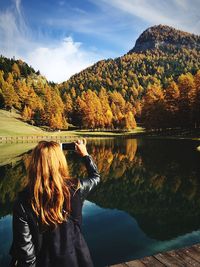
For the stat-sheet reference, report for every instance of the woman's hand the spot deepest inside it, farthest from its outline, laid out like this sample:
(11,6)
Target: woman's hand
(80,146)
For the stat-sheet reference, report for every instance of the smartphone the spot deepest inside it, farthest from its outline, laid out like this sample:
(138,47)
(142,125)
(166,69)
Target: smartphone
(68,146)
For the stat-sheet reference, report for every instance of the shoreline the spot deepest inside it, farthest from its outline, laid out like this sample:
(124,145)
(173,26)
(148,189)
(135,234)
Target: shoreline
(71,135)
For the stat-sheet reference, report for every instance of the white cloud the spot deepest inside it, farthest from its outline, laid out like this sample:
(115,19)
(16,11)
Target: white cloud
(182,14)
(17,4)
(13,36)
(56,60)
(61,61)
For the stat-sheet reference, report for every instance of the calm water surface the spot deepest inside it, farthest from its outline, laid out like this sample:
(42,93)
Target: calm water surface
(148,200)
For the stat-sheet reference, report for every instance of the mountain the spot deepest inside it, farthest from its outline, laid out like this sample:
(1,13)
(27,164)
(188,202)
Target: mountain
(160,53)
(157,82)
(161,37)
(155,67)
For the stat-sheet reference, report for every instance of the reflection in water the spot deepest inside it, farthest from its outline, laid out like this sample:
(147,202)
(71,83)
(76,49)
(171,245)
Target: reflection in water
(154,184)
(158,187)
(12,180)
(6,236)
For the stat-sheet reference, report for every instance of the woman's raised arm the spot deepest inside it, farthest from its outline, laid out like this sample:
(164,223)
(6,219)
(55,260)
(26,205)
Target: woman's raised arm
(87,184)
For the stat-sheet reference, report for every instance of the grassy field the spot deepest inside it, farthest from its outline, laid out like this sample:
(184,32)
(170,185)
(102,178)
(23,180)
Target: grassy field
(11,125)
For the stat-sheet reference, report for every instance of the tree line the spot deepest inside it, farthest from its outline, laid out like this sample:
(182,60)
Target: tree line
(103,96)
(176,106)
(44,103)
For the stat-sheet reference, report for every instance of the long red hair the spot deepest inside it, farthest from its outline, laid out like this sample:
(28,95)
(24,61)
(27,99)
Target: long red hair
(47,174)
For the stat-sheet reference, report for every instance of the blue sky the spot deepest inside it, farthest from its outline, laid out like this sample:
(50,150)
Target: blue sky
(62,37)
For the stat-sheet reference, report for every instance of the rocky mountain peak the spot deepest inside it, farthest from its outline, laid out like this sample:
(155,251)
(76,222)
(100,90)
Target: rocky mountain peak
(160,36)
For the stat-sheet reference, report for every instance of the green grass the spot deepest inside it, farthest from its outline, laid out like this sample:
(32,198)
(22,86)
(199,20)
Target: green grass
(11,125)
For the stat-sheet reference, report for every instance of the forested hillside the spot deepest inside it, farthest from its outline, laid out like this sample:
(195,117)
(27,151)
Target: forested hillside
(27,91)
(157,83)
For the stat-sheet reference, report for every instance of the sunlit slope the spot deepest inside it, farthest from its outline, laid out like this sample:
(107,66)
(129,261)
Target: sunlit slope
(10,124)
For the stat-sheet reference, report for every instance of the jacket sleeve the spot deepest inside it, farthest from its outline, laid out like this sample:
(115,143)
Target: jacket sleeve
(24,249)
(87,184)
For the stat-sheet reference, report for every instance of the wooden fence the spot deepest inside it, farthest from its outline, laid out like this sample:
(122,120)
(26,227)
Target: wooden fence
(35,139)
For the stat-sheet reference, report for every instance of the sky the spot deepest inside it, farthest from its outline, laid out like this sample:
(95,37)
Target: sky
(63,37)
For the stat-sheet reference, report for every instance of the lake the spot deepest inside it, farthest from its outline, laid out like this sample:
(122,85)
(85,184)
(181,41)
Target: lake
(148,200)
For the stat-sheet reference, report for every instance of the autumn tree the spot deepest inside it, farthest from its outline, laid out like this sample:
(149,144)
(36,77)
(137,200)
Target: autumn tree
(129,116)
(22,91)
(107,114)
(153,108)
(27,113)
(68,106)
(77,115)
(8,94)
(16,70)
(171,98)
(186,87)
(117,104)
(92,110)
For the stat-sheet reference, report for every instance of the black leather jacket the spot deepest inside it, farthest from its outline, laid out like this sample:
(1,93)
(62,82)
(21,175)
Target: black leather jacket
(35,247)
